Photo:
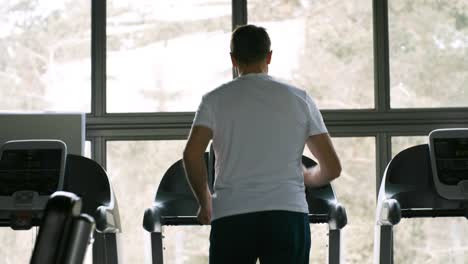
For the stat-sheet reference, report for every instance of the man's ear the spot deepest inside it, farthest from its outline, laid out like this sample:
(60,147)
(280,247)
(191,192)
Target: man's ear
(233,60)
(268,57)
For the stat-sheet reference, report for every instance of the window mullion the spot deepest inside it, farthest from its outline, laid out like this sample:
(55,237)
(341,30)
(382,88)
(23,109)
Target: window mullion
(381,56)
(98,58)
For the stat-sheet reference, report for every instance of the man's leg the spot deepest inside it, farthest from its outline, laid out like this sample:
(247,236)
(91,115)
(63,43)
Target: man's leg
(285,238)
(233,240)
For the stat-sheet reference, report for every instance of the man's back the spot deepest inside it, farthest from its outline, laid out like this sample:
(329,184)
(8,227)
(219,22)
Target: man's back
(259,129)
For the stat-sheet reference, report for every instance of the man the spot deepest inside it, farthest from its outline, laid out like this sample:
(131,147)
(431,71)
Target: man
(259,127)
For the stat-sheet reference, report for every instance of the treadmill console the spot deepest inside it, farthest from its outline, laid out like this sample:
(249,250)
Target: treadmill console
(30,171)
(449,161)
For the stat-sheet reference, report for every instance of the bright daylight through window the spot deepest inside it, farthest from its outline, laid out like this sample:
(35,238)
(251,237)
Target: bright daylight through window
(428,53)
(45,63)
(164,55)
(324,47)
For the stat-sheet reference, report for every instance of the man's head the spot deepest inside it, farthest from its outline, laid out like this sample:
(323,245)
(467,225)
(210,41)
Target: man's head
(250,45)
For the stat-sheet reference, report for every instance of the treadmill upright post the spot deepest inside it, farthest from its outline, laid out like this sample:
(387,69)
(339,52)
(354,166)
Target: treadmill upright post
(334,246)
(384,247)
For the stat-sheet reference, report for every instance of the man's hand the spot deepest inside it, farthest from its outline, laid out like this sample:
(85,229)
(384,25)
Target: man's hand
(328,164)
(204,213)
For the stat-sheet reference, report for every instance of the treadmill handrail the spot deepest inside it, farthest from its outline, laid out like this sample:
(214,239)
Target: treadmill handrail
(175,203)
(192,220)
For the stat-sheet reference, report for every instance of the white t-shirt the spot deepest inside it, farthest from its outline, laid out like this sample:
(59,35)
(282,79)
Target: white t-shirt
(260,126)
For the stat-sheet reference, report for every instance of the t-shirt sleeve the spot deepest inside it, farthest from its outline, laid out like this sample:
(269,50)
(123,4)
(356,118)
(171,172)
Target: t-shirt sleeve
(204,115)
(315,123)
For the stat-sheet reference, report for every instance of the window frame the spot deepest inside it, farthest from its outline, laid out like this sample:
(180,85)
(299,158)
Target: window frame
(382,122)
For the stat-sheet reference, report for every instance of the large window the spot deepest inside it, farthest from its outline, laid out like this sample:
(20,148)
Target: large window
(428,49)
(323,47)
(164,55)
(45,63)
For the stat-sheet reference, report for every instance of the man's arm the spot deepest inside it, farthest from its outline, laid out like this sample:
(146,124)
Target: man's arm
(328,165)
(195,169)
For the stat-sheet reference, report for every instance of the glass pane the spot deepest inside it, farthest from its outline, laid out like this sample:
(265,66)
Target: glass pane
(428,47)
(431,240)
(17,246)
(87,149)
(45,61)
(321,46)
(135,169)
(401,143)
(164,55)
(357,157)
(186,244)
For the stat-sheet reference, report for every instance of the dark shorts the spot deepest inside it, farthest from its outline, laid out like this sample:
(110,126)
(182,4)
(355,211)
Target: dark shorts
(273,237)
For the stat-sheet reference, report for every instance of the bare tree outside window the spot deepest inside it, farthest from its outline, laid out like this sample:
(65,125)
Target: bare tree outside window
(324,47)
(45,63)
(428,53)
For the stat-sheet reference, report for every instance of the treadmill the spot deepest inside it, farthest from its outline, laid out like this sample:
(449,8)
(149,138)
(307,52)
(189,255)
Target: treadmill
(428,180)
(32,170)
(87,179)
(175,204)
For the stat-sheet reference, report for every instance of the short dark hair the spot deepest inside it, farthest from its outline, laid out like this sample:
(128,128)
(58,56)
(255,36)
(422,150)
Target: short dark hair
(250,44)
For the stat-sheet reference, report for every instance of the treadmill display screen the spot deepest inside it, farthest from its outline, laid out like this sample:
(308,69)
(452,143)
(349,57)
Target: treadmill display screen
(452,159)
(37,170)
